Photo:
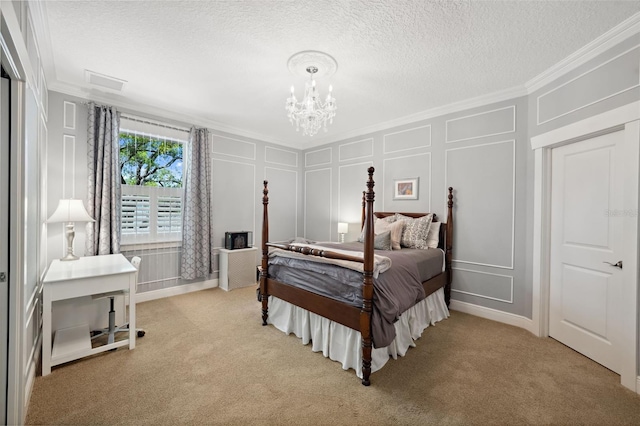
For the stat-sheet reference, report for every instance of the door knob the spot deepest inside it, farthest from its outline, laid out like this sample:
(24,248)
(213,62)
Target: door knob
(618,264)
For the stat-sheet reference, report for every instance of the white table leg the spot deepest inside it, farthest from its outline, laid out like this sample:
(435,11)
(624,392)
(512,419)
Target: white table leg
(46,331)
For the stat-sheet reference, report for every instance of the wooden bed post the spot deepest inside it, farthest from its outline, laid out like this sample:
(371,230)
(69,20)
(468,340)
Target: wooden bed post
(448,247)
(265,254)
(364,193)
(367,288)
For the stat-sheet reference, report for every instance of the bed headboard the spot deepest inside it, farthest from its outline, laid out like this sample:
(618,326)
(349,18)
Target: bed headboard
(414,215)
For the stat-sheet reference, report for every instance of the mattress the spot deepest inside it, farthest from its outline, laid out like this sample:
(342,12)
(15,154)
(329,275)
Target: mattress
(395,290)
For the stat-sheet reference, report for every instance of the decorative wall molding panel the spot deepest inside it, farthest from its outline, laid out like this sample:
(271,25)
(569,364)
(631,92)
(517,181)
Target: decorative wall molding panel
(405,140)
(283,203)
(483,124)
(483,217)
(356,150)
(318,206)
(68,166)
(592,86)
(405,167)
(241,212)
(352,180)
(319,157)
(69,119)
(233,147)
(485,284)
(34,54)
(44,95)
(280,156)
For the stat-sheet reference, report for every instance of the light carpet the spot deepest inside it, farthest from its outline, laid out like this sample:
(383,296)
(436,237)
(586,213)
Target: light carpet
(206,359)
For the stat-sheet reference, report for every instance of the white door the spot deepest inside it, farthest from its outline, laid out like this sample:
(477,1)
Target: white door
(4,243)
(586,232)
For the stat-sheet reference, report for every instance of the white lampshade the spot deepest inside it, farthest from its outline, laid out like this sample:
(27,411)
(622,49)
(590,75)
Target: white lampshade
(343,228)
(70,210)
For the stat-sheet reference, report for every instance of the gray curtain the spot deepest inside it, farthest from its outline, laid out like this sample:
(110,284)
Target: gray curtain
(197,230)
(103,236)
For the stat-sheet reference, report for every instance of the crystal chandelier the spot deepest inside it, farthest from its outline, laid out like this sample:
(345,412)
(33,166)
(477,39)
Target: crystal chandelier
(312,113)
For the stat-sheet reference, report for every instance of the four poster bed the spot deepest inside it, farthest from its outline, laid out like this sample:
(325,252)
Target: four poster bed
(357,304)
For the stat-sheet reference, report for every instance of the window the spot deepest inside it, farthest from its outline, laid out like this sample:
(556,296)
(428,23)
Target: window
(151,169)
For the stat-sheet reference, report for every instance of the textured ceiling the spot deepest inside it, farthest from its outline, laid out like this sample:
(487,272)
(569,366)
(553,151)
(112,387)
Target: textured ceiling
(224,63)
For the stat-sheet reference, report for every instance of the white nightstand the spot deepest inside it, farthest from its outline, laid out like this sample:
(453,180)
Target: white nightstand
(237,268)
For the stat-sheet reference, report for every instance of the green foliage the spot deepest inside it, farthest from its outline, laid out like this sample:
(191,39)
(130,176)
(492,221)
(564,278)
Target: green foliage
(147,161)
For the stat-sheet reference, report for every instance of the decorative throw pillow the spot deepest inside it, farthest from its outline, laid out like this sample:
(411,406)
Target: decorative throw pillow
(434,235)
(389,219)
(381,226)
(415,231)
(395,228)
(382,241)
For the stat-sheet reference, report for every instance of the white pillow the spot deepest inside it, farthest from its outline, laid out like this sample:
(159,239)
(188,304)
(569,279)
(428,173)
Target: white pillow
(434,235)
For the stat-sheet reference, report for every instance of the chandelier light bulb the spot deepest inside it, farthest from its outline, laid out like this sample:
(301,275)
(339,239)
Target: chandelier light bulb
(292,89)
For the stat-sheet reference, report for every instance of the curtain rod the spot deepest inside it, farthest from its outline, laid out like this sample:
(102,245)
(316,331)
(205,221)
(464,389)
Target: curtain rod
(139,120)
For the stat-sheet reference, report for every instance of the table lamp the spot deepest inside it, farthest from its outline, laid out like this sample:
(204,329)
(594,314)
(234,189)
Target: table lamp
(343,228)
(70,211)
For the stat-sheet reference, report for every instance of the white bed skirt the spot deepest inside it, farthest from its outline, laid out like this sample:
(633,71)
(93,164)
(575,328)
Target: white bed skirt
(343,344)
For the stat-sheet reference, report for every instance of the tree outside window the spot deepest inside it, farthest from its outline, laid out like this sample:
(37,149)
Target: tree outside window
(149,161)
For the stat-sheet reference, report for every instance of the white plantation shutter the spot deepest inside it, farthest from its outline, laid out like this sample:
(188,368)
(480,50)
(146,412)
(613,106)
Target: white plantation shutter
(169,214)
(136,214)
(151,214)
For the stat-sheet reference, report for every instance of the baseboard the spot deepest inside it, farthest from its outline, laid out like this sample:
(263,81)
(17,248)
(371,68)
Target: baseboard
(638,385)
(492,314)
(174,291)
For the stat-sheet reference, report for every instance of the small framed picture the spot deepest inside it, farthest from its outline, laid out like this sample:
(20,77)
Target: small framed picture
(405,189)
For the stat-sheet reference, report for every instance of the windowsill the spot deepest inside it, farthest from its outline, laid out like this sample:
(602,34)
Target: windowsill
(130,246)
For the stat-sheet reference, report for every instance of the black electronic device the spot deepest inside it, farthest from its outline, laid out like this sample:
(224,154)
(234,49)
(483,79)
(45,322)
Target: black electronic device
(238,240)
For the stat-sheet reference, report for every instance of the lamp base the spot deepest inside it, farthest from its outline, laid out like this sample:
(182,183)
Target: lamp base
(70,234)
(69,256)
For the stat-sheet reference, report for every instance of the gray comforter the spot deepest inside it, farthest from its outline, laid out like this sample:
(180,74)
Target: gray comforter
(395,290)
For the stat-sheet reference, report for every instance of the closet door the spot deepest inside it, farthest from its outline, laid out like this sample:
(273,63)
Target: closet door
(4,243)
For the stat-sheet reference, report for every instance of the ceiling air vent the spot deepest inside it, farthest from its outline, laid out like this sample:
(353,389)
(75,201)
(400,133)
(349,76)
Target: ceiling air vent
(104,80)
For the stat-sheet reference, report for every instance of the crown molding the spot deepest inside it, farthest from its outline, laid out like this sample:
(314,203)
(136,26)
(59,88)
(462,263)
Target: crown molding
(490,98)
(606,41)
(159,113)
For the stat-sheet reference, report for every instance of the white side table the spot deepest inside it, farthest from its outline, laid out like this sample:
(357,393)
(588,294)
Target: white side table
(77,278)
(237,268)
